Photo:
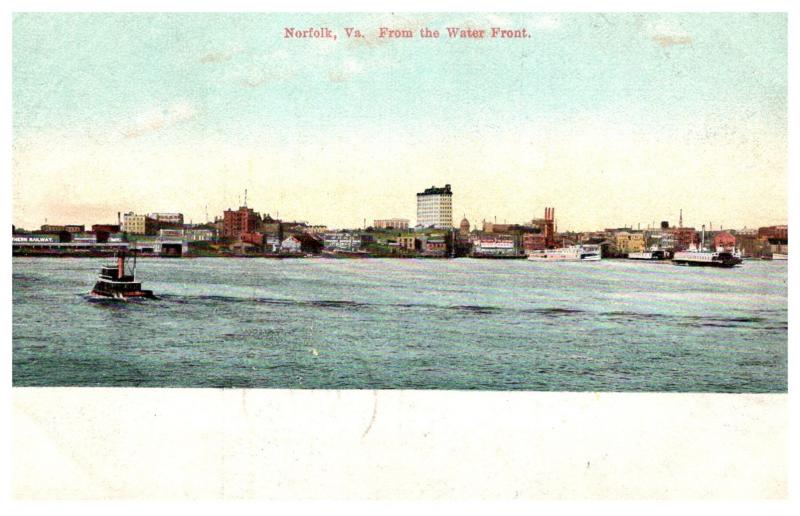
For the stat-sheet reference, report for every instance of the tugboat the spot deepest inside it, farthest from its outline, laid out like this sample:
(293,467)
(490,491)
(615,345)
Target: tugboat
(114,283)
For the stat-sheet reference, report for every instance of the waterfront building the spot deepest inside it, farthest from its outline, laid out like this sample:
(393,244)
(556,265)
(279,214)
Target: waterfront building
(255,238)
(494,245)
(167,219)
(292,244)
(39,244)
(173,233)
(407,242)
(494,227)
(629,242)
(667,240)
(683,238)
(83,238)
(435,208)
(390,224)
(200,235)
(746,232)
(775,239)
(316,229)
(69,228)
(241,248)
(236,222)
(780,233)
(463,228)
(346,241)
(189,234)
(724,240)
(139,224)
(435,246)
(302,243)
(272,243)
(107,228)
(533,242)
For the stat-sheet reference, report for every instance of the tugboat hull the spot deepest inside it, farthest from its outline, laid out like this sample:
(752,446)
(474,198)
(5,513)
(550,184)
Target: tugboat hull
(139,294)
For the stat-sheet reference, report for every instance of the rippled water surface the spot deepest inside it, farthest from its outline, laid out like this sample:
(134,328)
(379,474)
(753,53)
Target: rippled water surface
(412,324)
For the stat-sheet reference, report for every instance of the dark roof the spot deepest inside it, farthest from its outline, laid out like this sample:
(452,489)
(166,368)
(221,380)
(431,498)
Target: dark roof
(437,191)
(305,238)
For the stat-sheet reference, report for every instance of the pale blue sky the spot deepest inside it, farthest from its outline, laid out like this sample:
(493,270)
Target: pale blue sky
(132,83)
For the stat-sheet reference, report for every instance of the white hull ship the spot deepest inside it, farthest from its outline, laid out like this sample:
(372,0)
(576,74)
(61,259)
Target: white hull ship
(718,258)
(780,256)
(654,254)
(702,257)
(574,253)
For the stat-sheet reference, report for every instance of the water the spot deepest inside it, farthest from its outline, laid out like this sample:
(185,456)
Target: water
(411,324)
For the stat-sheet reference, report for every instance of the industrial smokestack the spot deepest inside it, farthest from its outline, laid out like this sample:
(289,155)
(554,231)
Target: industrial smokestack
(703,238)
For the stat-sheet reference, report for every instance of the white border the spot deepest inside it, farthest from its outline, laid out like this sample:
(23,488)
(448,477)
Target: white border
(414,5)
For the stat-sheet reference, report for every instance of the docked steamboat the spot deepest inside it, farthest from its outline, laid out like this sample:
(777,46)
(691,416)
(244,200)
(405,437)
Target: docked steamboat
(574,253)
(697,257)
(702,257)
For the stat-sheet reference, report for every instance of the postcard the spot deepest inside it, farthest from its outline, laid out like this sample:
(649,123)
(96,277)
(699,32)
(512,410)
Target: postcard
(400,255)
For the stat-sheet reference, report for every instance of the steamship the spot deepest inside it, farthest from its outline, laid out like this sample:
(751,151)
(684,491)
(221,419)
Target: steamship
(705,258)
(699,256)
(652,254)
(573,253)
(116,283)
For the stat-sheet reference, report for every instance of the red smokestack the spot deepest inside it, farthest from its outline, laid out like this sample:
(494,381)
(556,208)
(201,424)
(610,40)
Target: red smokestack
(120,266)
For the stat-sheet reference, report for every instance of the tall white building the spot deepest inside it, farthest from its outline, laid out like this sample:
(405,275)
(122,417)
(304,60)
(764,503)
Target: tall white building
(435,207)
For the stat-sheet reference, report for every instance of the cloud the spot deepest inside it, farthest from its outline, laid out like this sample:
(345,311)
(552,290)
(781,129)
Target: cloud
(545,23)
(349,68)
(667,35)
(258,70)
(220,56)
(495,20)
(157,119)
(256,78)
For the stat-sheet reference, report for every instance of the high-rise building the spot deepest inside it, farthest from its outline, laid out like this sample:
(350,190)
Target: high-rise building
(435,208)
(236,222)
(139,224)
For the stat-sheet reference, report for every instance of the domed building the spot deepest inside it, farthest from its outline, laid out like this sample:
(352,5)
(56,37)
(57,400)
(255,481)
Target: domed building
(464,227)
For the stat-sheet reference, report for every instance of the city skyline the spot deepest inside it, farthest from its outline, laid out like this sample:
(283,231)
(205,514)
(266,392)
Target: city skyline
(242,202)
(671,111)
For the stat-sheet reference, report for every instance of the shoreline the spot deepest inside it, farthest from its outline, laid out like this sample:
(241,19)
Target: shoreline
(347,258)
